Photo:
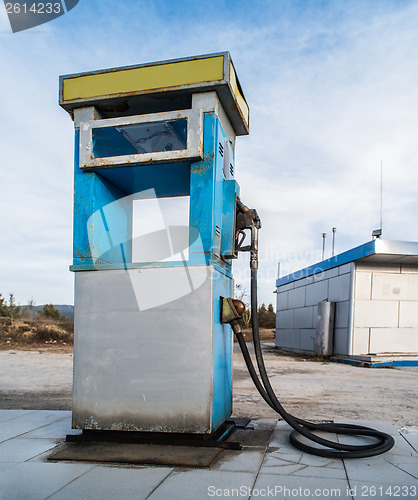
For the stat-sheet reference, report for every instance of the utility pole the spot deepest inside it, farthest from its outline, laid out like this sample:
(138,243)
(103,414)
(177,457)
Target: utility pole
(333,240)
(324,235)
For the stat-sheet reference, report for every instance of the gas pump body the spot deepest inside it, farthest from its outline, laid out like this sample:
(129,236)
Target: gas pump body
(154,145)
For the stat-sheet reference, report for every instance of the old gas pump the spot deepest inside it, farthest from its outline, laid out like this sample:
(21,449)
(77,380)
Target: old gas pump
(157,220)
(154,235)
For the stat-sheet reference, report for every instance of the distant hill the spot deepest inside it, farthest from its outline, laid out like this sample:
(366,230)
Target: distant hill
(64,309)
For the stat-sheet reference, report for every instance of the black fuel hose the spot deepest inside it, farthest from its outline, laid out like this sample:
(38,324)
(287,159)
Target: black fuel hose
(384,442)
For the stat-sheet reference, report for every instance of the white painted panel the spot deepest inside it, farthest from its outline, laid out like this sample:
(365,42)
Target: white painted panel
(394,340)
(282,301)
(340,340)
(296,297)
(360,341)
(376,267)
(316,292)
(386,286)
(303,317)
(285,319)
(408,313)
(339,288)
(341,314)
(373,313)
(409,269)
(363,286)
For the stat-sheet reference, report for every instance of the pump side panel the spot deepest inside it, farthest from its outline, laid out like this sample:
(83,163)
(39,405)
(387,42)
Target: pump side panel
(143,350)
(222,353)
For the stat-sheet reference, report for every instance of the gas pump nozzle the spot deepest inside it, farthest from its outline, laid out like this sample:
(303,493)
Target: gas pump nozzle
(231,312)
(247,218)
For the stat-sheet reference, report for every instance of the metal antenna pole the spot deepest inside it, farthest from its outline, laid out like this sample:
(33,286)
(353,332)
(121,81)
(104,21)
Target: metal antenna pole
(333,240)
(324,235)
(381,196)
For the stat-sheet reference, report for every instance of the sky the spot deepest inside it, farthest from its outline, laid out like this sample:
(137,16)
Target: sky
(332,90)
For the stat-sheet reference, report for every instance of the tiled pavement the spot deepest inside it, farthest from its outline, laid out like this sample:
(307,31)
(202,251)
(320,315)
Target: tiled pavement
(275,470)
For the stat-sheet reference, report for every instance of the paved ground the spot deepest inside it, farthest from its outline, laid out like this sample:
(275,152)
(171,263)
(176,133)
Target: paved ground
(265,467)
(269,469)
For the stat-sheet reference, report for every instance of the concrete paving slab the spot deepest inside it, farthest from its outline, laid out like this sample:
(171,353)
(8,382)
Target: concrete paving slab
(6,465)
(244,461)
(10,414)
(38,481)
(300,487)
(280,436)
(109,483)
(400,461)
(325,472)
(302,464)
(410,468)
(25,474)
(412,439)
(28,422)
(20,450)
(57,429)
(199,484)
(361,490)
(378,471)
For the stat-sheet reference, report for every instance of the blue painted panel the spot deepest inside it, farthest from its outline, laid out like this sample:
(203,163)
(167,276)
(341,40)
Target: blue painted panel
(168,179)
(110,226)
(202,188)
(218,184)
(103,213)
(377,364)
(230,191)
(94,195)
(201,259)
(364,250)
(222,355)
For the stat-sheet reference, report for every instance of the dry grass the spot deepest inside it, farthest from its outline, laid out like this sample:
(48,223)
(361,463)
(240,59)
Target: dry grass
(35,332)
(266,334)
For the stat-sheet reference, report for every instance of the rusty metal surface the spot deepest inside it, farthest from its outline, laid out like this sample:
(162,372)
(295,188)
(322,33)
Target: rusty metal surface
(179,456)
(86,119)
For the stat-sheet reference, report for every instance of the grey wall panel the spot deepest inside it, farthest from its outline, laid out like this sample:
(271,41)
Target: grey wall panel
(339,288)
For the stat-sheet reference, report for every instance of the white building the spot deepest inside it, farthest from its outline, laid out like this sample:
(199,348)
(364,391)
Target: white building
(375,288)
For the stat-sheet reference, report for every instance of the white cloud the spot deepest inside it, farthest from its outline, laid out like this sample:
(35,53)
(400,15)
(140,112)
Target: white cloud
(332,91)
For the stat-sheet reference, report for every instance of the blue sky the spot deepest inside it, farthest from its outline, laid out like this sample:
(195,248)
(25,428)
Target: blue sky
(332,89)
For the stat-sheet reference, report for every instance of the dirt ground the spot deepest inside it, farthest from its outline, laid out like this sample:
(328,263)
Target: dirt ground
(40,378)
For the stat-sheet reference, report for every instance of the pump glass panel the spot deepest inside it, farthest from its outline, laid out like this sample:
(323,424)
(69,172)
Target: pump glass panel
(160,229)
(139,138)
